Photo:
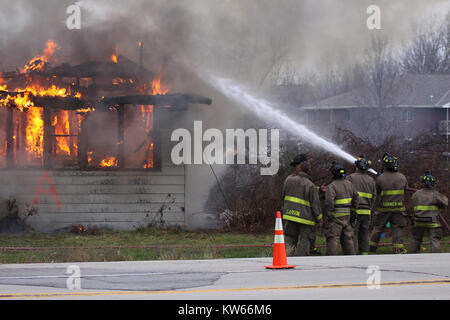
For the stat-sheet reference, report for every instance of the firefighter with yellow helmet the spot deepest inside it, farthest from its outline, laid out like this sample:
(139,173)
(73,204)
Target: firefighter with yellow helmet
(367,191)
(391,186)
(426,203)
(340,197)
(301,208)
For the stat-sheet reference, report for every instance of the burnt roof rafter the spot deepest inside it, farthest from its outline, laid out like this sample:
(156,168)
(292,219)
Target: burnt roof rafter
(105,104)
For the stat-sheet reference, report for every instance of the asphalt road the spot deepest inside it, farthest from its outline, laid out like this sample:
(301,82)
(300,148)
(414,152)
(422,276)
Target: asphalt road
(412,276)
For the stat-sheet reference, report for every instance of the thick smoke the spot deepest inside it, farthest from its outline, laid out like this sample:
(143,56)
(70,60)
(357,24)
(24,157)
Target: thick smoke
(242,38)
(253,41)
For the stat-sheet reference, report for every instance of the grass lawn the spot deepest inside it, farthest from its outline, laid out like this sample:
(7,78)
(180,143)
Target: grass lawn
(137,245)
(118,246)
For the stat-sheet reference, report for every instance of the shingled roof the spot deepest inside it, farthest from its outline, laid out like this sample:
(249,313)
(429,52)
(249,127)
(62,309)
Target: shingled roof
(415,90)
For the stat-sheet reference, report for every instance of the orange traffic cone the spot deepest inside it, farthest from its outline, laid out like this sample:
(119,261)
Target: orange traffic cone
(279,249)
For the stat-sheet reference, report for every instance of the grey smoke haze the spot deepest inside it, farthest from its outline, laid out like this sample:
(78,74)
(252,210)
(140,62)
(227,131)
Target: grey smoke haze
(246,40)
(240,38)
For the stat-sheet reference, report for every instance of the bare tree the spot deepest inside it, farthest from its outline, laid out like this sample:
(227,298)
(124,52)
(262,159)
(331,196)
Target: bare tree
(382,73)
(429,50)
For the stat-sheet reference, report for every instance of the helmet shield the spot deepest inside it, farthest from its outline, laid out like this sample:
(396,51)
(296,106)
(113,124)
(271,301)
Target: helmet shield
(363,163)
(390,162)
(428,180)
(337,169)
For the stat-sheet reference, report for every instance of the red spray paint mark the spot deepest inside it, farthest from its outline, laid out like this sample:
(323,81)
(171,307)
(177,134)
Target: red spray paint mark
(39,191)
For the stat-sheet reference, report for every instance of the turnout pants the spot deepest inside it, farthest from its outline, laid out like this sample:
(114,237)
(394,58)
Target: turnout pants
(362,235)
(298,238)
(398,221)
(435,235)
(339,230)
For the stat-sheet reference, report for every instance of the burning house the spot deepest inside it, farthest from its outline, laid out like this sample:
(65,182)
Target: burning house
(81,144)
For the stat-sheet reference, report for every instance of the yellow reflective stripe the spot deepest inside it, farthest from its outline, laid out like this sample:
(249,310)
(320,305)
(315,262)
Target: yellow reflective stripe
(373,243)
(343,201)
(341,209)
(392,192)
(393,204)
(299,220)
(319,217)
(425,208)
(398,245)
(427,224)
(365,195)
(297,200)
(337,214)
(391,209)
(363,211)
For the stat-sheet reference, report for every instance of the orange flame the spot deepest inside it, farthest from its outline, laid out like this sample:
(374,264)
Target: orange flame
(157,87)
(89,157)
(108,162)
(38,62)
(84,110)
(35,132)
(149,162)
(114,58)
(62,127)
(2,83)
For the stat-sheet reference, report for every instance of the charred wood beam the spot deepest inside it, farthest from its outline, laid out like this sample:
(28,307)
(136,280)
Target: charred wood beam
(83,143)
(156,134)
(10,138)
(121,137)
(72,103)
(171,99)
(48,140)
(61,103)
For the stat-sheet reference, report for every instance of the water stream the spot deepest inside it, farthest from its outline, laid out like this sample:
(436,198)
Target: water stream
(266,110)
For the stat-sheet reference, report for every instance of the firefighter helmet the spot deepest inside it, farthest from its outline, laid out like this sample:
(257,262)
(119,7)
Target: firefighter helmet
(391,162)
(299,159)
(363,163)
(337,169)
(428,180)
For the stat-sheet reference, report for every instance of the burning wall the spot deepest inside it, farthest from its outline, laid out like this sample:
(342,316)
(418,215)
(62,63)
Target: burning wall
(50,117)
(94,118)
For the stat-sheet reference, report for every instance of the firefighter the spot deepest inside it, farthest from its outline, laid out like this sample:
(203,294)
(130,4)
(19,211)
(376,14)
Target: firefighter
(426,203)
(301,208)
(391,186)
(340,197)
(366,187)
